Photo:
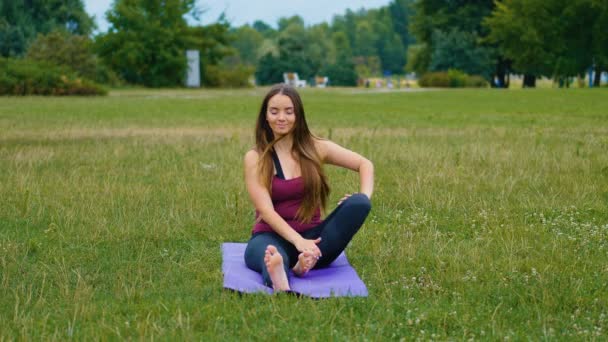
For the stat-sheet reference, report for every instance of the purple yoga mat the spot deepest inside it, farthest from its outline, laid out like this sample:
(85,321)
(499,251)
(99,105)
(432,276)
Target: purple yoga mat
(339,279)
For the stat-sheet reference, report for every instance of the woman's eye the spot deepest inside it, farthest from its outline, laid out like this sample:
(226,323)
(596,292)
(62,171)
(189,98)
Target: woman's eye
(289,112)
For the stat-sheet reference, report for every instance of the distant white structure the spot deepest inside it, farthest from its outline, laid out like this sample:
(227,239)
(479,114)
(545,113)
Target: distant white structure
(193,75)
(293,79)
(321,81)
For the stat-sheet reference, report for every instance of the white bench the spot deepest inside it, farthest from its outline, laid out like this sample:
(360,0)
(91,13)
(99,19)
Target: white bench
(321,81)
(293,79)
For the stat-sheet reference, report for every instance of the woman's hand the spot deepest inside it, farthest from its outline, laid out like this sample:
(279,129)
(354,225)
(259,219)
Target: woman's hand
(310,246)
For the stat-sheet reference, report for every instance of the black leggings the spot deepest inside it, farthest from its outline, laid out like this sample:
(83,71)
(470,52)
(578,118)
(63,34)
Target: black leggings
(335,231)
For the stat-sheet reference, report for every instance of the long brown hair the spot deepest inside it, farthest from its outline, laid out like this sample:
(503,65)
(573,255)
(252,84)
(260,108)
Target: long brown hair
(304,150)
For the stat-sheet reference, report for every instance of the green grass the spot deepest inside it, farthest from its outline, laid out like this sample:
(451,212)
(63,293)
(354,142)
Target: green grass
(489,219)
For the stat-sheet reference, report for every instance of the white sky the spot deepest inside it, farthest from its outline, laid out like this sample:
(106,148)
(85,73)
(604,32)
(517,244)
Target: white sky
(240,12)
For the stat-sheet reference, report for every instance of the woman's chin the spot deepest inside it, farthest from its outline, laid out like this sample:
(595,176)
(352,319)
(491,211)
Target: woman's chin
(281,132)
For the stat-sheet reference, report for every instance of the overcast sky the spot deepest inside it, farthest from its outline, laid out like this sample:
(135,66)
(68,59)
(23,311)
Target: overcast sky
(240,12)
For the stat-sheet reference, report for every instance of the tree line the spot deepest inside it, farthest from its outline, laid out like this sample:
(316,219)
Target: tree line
(146,41)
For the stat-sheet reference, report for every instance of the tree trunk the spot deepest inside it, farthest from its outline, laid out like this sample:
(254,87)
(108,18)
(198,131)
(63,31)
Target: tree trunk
(598,76)
(501,74)
(529,81)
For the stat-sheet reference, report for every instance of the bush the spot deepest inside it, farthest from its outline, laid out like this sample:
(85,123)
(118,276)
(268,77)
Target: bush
(341,74)
(435,79)
(451,79)
(26,77)
(476,82)
(227,77)
(270,70)
(74,52)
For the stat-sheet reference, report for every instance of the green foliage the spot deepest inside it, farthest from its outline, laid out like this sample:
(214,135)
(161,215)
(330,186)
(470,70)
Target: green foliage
(459,50)
(375,40)
(393,55)
(270,70)
(450,33)
(295,20)
(266,30)
(214,42)
(246,41)
(600,40)
(74,52)
(401,13)
(28,77)
(365,42)
(341,74)
(221,76)
(294,51)
(299,50)
(21,21)
(453,78)
(418,57)
(553,38)
(525,31)
(342,45)
(377,33)
(367,66)
(147,40)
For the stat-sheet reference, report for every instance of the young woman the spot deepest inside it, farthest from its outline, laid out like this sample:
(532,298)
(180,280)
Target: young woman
(286,183)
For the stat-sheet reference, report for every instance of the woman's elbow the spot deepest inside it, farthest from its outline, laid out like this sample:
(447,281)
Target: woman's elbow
(367,165)
(265,213)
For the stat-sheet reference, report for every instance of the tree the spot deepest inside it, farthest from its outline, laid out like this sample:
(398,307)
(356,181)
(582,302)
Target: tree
(365,42)
(22,21)
(342,72)
(526,32)
(297,52)
(445,16)
(553,38)
(389,48)
(600,39)
(73,52)
(269,70)
(401,11)
(458,50)
(247,42)
(347,24)
(266,30)
(214,43)
(147,40)
(295,20)
(416,60)
(393,55)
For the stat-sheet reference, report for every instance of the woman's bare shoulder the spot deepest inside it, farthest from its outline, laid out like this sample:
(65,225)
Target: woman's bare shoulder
(251,156)
(321,145)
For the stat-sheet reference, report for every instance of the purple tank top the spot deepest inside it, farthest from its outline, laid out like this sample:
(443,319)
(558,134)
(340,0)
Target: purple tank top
(287,196)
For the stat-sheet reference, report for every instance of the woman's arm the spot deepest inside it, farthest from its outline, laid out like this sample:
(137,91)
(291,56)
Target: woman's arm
(335,154)
(263,204)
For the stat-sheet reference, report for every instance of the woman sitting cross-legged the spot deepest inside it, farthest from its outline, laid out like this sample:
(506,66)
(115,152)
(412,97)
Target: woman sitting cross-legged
(286,183)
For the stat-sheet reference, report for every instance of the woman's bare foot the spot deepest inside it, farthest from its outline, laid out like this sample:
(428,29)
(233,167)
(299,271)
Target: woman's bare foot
(274,265)
(306,261)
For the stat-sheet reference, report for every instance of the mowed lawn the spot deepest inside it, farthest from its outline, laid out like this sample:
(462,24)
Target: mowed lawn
(489,219)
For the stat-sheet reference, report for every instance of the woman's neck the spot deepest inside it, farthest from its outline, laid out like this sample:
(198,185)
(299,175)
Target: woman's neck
(285,144)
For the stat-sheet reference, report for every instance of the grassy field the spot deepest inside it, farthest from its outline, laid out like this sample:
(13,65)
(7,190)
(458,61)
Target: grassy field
(489,219)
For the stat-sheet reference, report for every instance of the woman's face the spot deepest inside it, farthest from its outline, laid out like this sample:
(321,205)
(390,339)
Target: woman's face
(280,115)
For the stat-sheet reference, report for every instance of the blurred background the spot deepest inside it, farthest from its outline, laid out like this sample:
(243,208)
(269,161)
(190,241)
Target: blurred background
(86,44)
